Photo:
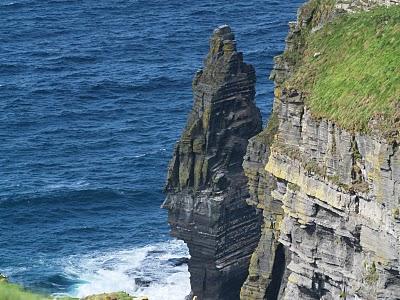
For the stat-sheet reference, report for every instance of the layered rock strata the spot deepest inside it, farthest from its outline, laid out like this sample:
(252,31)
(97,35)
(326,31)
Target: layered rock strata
(206,186)
(330,197)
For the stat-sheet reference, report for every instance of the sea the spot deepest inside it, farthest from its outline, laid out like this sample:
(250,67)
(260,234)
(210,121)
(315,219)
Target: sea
(93,96)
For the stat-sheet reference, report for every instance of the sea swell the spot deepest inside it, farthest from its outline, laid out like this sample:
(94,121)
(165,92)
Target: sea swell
(158,271)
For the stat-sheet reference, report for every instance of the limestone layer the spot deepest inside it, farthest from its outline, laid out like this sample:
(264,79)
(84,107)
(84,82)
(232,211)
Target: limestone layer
(330,198)
(206,187)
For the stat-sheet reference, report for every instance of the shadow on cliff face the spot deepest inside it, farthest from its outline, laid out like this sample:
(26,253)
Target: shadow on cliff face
(278,270)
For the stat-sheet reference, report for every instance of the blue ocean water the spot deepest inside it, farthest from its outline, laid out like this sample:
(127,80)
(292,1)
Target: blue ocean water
(93,96)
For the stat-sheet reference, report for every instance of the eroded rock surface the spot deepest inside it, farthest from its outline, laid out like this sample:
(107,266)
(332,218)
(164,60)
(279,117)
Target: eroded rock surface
(330,198)
(206,187)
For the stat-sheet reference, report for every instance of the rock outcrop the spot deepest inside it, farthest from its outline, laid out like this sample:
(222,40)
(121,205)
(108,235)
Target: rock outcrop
(206,189)
(330,197)
(354,5)
(113,296)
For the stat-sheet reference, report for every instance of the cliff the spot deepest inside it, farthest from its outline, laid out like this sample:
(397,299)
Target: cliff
(328,180)
(325,172)
(206,186)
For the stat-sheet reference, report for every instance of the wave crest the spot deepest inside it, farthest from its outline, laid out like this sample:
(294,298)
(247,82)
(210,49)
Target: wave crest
(158,271)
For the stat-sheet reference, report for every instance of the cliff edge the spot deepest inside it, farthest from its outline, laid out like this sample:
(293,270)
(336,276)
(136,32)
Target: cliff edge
(326,171)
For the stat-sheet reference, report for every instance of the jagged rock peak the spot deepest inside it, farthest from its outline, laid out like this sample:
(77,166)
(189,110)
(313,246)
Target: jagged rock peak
(222,41)
(223,61)
(206,187)
(223,118)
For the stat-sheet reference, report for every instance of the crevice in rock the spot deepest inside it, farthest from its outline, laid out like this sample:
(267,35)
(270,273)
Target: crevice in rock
(278,270)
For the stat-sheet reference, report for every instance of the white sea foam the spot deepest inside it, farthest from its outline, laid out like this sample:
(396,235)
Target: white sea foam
(150,153)
(66,185)
(145,271)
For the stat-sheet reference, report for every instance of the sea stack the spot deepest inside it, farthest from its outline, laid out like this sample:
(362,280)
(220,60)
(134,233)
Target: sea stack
(206,188)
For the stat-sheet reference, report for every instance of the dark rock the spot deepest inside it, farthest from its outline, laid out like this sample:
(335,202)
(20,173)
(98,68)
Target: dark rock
(176,262)
(206,187)
(142,282)
(3,278)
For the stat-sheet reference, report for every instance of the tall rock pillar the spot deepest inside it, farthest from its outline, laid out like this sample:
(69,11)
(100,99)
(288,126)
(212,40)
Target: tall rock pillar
(206,188)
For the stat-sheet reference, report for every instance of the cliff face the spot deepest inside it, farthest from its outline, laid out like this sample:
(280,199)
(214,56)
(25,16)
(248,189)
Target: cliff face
(206,187)
(330,197)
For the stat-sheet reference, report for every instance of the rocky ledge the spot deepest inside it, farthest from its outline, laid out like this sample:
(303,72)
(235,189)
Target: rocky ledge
(206,189)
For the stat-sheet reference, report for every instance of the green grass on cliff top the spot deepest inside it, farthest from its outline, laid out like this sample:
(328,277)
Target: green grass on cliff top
(14,292)
(9,291)
(356,76)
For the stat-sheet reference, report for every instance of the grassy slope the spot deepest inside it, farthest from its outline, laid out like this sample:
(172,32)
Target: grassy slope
(14,292)
(356,77)
(10,291)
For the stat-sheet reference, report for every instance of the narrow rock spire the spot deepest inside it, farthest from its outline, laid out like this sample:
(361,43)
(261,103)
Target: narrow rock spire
(206,188)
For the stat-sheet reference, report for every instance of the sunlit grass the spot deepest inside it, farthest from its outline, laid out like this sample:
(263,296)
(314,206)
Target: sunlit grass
(14,292)
(350,71)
